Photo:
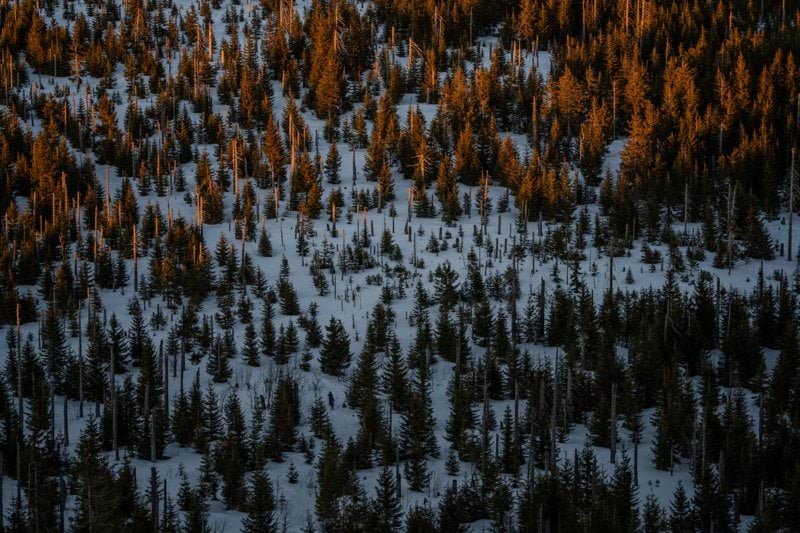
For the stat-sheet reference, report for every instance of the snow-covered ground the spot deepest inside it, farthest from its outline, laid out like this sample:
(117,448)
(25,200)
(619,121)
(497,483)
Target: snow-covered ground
(354,312)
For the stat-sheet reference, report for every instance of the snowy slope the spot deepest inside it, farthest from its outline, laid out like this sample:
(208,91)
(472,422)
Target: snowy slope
(298,499)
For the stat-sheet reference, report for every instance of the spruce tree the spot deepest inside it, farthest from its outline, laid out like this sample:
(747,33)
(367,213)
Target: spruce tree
(451,513)
(417,433)
(330,486)
(251,352)
(264,243)
(218,365)
(623,494)
(284,417)
(260,505)
(422,520)
(268,336)
(333,165)
(387,503)
(394,379)
(363,382)
(680,511)
(335,353)
(653,518)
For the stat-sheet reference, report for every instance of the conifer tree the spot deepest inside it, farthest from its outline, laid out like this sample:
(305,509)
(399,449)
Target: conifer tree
(395,377)
(264,243)
(319,420)
(290,304)
(329,486)
(333,165)
(467,167)
(251,352)
(447,191)
(218,365)
(335,353)
(417,432)
(311,326)
(710,507)
(451,511)
(363,382)
(268,336)
(284,417)
(95,481)
(653,518)
(421,519)
(623,494)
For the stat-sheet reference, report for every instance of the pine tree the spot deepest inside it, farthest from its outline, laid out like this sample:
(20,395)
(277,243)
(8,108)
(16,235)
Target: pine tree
(250,351)
(394,379)
(292,475)
(210,429)
(319,420)
(264,243)
(218,365)
(422,520)
(284,417)
(416,469)
(467,167)
(231,463)
(335,353)
(511,455)
(268,336)
(310,325)
(333,165)
(139,338)
(363,382)
(95,482)
(451,512)
(260,505)
(710,507)
(594,133)
(290,304)
(196,515)
(623,494)
(461,417)
(287,343)
(417,432)
(209,478)
(387,503)
(447,192)
(330,486)
(452,466)
(328,92)
(653,518)
(680,517)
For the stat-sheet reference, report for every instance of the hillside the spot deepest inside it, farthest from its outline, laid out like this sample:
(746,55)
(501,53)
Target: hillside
(339,266)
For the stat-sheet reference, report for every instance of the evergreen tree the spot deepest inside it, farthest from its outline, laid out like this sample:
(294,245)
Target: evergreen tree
(388,506)
(284,417)
(264,243)
(218,365)
(95,482)
(422,520)
(335,353)
(251,352)
(653,518)
(330,486)
(623,494)
(710,507)
(333,165)
(417,436)
(268,337)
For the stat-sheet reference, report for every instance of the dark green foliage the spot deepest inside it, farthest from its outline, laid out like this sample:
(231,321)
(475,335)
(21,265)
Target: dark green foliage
(260,505)
(284,417)
(335,353)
